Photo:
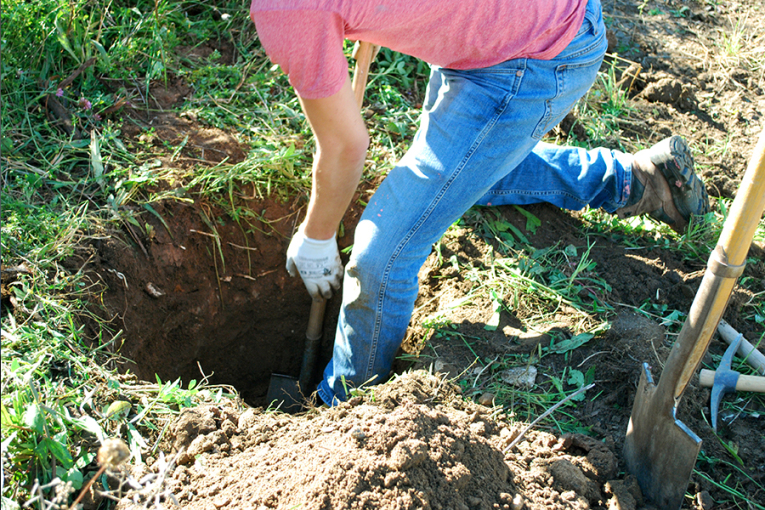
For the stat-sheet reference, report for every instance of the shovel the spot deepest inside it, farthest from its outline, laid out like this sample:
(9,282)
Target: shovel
(660,451)
(284,391)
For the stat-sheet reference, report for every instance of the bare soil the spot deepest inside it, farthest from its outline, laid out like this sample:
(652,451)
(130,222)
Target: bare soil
(191,299)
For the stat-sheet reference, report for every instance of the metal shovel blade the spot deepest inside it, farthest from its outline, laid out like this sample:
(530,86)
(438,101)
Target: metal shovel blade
(284,393)
(659,449)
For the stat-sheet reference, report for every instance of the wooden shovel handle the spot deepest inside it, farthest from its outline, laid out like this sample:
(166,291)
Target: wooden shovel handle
(312,342)
(747,208)
(719,279)
(744,383)
(364,53)
(316,319)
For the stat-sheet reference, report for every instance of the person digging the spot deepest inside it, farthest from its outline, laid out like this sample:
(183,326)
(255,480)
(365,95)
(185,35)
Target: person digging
(503,73)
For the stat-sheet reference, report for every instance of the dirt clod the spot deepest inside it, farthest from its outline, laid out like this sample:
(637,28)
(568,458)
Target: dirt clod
(191,425)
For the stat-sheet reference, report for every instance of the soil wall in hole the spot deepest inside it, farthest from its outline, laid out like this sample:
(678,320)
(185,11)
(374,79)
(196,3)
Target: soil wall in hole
(208,294)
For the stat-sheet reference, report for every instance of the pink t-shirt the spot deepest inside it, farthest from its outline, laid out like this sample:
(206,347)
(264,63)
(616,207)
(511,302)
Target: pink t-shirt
(305,37)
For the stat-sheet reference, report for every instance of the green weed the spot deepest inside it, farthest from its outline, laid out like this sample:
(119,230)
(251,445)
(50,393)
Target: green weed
(604,108)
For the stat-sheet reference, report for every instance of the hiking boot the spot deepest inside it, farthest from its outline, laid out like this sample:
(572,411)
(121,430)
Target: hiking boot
(664,185)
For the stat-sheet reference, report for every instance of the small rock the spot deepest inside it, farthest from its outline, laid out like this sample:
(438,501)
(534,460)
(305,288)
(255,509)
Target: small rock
(524,377)
(247,419)
(518,503)
(705,501)
(154,291)
(449,370)
(486,399)
(221,501)
(358,434)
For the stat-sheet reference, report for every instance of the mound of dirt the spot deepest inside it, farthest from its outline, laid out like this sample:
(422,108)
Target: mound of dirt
(412,443)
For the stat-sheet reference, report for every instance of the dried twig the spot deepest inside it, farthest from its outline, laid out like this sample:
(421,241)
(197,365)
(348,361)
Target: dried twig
(68,81)
(62,114)
(544,415)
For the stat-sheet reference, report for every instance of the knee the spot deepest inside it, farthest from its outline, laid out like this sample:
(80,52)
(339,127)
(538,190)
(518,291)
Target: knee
(367,254)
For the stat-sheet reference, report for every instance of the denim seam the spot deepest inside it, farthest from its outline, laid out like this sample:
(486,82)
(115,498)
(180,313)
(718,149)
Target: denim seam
(434,203)
(538,194)
(543,126)
(522,66)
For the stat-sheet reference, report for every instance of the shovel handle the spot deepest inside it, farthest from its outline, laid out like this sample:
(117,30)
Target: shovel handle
(744,382)
(725,264)
(316,319)
(747,209)
(312,342)
(364,53)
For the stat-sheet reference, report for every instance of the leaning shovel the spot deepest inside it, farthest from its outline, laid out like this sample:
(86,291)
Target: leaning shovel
(659,449)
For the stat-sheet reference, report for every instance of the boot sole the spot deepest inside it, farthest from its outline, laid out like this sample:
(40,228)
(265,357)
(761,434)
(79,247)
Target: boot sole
(673,157)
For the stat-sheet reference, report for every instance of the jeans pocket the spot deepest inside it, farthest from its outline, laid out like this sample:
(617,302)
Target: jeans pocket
(573,81)
(573,78)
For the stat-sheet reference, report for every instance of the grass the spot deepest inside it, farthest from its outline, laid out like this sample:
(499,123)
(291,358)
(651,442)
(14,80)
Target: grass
(534,285)
(604,108)
(72,174)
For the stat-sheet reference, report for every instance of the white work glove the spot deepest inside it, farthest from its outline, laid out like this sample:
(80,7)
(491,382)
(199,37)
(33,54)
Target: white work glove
(318,263)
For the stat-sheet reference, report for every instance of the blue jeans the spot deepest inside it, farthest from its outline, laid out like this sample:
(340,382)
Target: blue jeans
(478,143)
